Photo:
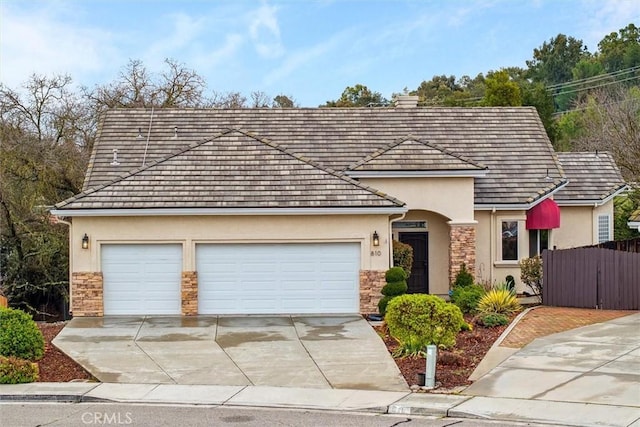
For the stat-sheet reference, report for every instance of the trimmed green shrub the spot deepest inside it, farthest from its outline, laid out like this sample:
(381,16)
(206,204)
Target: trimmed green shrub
(394,289)
(467,297)
(19,335)
(418,320)
(396,285)
(491,320)
(463,278)
(499,301)
(395,274)
(17,371)
(403,256)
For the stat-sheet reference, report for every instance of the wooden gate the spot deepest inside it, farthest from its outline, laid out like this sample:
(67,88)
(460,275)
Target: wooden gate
(591,278)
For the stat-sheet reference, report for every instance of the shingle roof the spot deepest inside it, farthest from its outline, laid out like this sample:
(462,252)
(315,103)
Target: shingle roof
(408,154)
(231,170)
(510,141)
(593,176)
(635,216)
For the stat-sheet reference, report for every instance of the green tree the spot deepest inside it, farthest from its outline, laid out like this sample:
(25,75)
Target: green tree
(553,62)
(358,96)
(620,50)
(501,90)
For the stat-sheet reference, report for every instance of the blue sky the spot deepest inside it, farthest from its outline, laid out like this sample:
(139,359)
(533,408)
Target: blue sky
(309,50)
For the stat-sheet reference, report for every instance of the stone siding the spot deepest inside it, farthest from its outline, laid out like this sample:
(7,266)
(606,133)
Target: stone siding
(462,249)
(86,292)
(371,283)
(189,293)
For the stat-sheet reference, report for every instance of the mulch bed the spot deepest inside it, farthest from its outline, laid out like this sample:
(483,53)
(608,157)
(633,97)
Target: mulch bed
(56,366)
(455,364)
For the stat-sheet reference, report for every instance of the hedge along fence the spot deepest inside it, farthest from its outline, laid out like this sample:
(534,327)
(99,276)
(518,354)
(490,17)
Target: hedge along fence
(591,278)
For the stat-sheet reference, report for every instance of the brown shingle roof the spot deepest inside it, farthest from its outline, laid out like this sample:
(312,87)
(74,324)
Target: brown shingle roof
(593,176)
(510,141)
(231,170)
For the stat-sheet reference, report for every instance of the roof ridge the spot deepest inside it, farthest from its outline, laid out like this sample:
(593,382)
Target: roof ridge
(319,166)
(409,137)
(136,171)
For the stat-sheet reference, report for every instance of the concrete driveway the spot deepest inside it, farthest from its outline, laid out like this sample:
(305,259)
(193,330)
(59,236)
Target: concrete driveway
(597,364)
(298,351)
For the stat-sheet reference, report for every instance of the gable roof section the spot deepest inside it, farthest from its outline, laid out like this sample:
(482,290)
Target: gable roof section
(510,141)
(593,178)
(411,155)
(231,170)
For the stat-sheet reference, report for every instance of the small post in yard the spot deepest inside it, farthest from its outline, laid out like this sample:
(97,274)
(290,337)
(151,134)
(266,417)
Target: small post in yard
(430,373)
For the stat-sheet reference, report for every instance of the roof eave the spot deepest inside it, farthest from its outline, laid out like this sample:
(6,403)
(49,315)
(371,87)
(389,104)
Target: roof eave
(594,202)
(518,206)
(382,210)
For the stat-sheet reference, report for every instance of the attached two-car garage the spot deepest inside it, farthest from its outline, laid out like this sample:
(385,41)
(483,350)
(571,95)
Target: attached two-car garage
(269,278)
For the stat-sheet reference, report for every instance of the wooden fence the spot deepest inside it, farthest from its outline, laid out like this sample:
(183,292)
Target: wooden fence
(591,278)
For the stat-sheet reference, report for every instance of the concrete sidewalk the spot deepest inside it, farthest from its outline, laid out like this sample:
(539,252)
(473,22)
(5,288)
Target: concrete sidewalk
(514,410)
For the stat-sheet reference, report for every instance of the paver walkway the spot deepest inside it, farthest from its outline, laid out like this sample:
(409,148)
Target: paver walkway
(543,321)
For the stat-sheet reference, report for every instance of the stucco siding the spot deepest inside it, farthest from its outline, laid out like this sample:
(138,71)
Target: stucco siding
(450,197)
(190,230)
(579,225)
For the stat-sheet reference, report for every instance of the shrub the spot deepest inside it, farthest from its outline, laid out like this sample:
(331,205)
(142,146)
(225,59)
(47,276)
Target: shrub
(418,320)
(499,301)
(395,274)
(463,278)
(467,298)
(19,335)
(396,285)
(17,371)
(403,256)
(491,320)
(531,274)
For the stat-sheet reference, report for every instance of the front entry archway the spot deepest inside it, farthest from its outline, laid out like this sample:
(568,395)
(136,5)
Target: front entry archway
(418,282)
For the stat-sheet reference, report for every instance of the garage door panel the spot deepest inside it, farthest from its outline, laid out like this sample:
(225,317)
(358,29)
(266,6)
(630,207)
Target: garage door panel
(277,278)
(141,279)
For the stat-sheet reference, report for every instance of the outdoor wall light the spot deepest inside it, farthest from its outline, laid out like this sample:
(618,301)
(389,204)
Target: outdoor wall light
(376,239)
(85,241)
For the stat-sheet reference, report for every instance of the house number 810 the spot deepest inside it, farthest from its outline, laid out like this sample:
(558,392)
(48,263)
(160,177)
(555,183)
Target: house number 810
(376,253)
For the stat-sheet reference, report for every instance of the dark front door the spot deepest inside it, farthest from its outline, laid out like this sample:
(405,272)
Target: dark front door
(419,281)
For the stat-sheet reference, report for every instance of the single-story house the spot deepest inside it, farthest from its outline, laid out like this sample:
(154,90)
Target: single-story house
(262,211)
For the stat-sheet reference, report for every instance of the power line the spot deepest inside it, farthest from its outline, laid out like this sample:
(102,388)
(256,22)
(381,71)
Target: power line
(594,78)
(595,87)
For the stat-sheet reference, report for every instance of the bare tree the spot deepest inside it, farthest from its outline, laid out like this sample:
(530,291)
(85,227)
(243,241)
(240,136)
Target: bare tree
(610,120)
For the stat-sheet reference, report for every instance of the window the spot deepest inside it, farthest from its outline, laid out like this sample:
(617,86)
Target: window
(604,234)
(538,241)
(509,240)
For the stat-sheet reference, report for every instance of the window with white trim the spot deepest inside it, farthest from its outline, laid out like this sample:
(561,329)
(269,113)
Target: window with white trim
(604,228)
(509,240)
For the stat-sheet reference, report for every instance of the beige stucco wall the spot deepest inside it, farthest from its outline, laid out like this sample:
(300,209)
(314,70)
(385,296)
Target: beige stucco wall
(579,225)
(438,230)
(451,197)
(490,268)
(190,230)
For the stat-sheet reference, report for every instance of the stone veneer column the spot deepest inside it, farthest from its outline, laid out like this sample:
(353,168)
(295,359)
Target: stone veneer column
(86,294)
(371,283)
(189,293)
(462,248)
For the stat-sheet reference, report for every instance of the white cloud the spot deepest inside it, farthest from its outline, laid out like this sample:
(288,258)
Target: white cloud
(46,41)
(604,17)
(264,31)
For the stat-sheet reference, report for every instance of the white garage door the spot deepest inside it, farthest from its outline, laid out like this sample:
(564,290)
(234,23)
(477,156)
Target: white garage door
(278,278)
(141,279)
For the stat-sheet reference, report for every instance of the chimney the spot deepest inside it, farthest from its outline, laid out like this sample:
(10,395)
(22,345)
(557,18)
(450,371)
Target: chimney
(406,101)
